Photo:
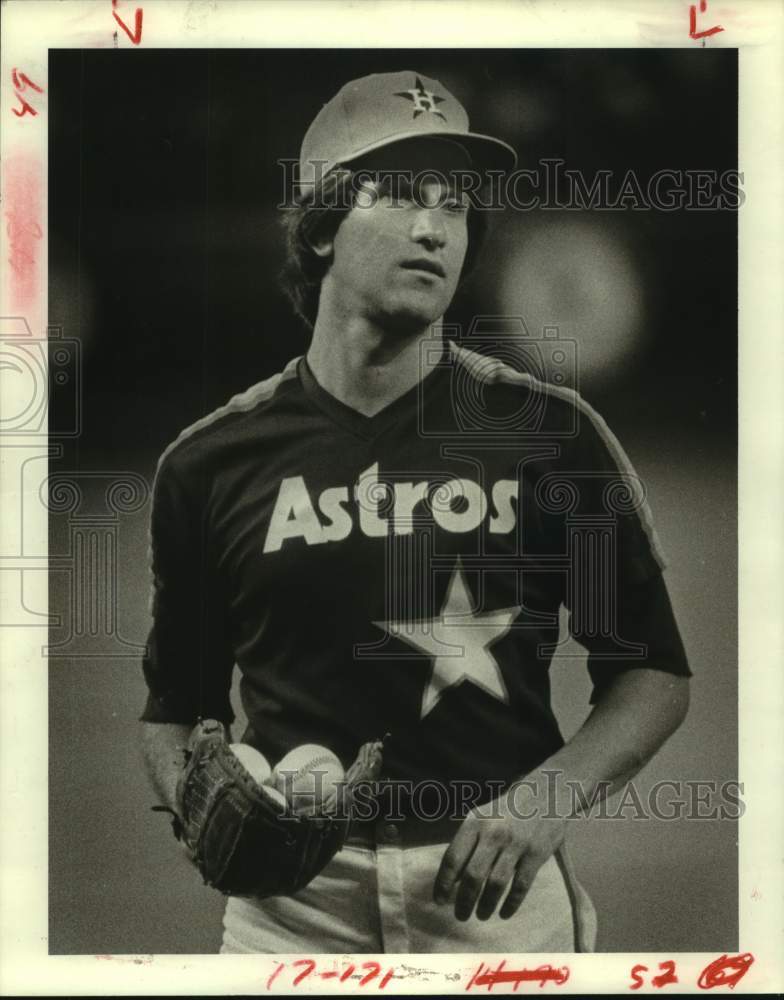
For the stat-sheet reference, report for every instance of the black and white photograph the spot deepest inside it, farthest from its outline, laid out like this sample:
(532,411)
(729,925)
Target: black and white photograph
(389,469)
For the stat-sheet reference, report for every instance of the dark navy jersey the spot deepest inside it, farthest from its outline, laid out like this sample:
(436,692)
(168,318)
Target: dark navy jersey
(400,573)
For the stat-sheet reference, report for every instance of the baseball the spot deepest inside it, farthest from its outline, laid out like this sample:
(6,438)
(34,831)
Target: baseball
(255,763)
(278,797)
(307,776)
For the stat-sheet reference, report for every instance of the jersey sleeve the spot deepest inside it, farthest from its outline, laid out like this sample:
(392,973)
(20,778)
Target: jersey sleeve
(188,662)
(612,499)
(619,607)
(646,636)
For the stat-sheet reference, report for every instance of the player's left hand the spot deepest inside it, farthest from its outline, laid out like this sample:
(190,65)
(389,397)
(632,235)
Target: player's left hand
(497,850)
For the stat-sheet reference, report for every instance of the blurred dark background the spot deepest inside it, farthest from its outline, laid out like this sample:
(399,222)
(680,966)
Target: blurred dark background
(164,252)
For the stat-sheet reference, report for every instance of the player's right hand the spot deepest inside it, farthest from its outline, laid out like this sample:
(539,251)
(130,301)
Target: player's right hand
(497,853)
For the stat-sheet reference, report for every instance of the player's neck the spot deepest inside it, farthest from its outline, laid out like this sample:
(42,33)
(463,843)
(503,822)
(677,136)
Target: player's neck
(365,367)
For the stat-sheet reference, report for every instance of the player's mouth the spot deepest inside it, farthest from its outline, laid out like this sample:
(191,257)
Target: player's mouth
(424,264)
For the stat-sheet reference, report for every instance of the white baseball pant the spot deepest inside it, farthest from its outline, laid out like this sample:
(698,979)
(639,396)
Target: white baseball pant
(380,901)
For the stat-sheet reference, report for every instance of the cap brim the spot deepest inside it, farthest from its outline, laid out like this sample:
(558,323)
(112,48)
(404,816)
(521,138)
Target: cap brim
(485,152)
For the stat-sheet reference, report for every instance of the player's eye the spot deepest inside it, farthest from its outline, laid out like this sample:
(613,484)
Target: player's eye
(394,191)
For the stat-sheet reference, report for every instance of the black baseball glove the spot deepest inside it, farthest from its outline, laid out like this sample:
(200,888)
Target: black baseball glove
(243,840)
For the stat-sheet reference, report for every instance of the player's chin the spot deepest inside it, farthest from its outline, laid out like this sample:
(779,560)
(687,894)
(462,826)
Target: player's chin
(410,313)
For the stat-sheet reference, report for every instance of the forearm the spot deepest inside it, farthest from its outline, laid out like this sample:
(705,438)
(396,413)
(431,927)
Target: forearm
(163,746)
(633,719)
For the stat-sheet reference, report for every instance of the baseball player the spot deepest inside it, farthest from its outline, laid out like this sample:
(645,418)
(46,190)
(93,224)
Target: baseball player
(380,537)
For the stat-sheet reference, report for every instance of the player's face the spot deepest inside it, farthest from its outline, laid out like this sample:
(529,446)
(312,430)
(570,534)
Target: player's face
(397,255)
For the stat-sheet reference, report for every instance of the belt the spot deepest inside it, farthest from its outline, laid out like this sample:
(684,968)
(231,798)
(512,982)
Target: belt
(411,831)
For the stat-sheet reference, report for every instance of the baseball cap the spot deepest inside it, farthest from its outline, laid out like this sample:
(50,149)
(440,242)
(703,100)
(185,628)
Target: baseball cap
(384,108)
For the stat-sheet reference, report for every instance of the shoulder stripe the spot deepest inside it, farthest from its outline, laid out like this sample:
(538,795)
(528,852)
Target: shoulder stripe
(623,462)
(493,370)
(243,402)
(489,369)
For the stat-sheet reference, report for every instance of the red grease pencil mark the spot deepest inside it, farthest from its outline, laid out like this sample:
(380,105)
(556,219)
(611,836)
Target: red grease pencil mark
(635,974)
(22,212)
(275,974)
(135,35)
(374,967)
(541,974)
(309,964)
(725,971)
(21,82)
(693,33)
(308,967)
(666,977)
(387,976)
(25,108)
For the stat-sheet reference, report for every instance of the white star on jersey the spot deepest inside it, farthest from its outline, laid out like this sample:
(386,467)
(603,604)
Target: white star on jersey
(458,640)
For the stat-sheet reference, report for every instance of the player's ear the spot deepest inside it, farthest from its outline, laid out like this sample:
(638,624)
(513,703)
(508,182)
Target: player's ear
(322,245)
(319,236)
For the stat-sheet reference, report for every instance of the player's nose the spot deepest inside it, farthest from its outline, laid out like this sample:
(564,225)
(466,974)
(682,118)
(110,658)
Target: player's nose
(428,229)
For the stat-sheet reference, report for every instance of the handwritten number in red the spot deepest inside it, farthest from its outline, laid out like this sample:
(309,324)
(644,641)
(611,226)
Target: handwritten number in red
(21,82)
(693,33)
(25,109)
(725,971)
(374,967)
(135,35)
(666,976)
(308,967)
(542,974)
(309,964)
(635,974)
(387,976)
(275,974)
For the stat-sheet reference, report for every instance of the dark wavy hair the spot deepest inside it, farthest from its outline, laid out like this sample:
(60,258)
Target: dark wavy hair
(305,223)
